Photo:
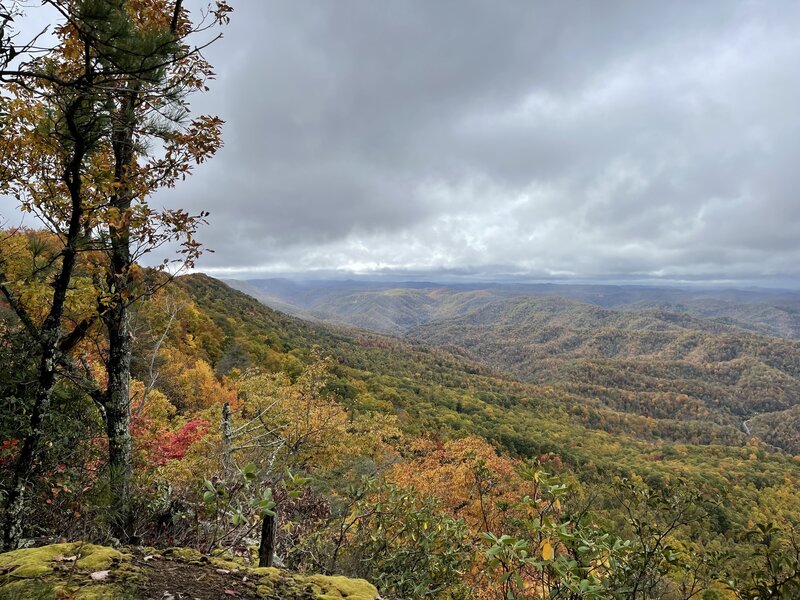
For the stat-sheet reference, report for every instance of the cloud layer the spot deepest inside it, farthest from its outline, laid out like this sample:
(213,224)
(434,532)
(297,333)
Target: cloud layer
(615,139)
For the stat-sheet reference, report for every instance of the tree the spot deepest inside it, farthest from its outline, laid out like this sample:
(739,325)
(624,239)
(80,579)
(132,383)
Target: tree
(105,111)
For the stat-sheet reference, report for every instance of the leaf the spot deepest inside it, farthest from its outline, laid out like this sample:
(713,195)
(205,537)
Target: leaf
(250,471)
(67,558)
(99,575)
(547,550)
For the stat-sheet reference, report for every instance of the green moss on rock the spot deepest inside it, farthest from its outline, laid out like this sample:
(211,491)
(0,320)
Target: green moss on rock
(65,570)
(62,570)
(274,583)
(189,555)
(335,587)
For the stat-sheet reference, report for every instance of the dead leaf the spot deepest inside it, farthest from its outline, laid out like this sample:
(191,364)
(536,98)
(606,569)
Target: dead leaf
(99,575)
(66,558)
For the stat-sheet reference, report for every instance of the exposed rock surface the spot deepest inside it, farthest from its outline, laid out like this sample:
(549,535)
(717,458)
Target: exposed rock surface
(87,572)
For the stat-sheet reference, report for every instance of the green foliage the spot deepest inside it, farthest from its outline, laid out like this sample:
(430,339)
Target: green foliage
(773,565)
(601,526)
(398,540)
(552,552)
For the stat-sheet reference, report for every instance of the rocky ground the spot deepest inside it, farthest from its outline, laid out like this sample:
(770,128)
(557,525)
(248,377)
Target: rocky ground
(82,571)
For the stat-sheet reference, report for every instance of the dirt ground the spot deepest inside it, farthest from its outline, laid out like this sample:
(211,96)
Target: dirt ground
(174,580)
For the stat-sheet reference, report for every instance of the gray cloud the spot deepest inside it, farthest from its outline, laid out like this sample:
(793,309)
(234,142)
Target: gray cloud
(624,139)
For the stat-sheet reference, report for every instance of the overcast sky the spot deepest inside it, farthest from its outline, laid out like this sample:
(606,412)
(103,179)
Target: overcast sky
(613,139)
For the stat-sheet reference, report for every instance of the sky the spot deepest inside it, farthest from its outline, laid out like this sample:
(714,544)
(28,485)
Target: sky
(618,140)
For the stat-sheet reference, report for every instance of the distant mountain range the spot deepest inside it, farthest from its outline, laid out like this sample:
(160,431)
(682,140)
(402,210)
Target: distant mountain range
(731,357)
(398,307)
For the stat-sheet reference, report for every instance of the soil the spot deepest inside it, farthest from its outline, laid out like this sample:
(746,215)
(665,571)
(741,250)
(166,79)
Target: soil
(174,580)
(83,570)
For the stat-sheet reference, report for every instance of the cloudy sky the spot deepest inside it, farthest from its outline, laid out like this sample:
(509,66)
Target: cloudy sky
(620,139)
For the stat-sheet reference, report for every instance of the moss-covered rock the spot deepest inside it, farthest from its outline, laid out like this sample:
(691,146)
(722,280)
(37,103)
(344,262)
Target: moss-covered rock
(88,572)
(65,570)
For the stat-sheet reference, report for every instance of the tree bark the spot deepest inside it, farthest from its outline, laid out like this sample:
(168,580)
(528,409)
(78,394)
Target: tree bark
(15,501)
(266,548)
(117,408)
(228,467)
(117,320)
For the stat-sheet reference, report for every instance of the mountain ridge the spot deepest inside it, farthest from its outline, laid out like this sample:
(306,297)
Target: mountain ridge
(639,358)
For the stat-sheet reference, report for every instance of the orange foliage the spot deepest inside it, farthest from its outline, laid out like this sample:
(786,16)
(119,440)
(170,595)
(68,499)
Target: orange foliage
(191,383)
(468,476)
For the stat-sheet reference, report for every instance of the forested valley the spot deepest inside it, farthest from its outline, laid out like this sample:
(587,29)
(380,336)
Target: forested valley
(445,474)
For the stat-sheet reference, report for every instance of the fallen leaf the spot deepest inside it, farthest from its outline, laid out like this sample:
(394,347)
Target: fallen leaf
(66,558)
(231,593)
(99,575)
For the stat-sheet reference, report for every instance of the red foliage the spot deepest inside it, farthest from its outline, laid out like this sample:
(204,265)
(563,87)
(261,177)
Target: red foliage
(176,443)
(8,451)
(158,446)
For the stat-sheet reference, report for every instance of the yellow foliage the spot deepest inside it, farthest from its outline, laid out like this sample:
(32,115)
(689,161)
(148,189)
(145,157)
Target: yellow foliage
(467,476)
(191,383)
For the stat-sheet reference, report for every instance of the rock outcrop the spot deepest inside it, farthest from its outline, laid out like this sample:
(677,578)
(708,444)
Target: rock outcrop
(83,571)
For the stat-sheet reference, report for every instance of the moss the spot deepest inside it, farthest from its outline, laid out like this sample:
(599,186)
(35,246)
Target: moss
(105,592)
(35,562)
(98,558)
(27,589)
(188,555)
(334,586)
(32,562)
(270,572)
(274,583)
(63,570)
(228,565)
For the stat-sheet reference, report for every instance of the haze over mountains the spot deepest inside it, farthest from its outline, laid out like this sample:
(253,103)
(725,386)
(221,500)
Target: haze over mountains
(724,357)
(397,307)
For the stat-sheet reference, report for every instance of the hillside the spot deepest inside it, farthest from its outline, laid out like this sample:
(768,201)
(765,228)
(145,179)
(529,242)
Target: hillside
(635,359)
(415,450)
(628,423)
(395,307)
(434,389)
(644,361)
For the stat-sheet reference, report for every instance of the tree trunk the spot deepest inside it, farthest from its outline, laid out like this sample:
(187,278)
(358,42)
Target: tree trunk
(228,467)
(266,549)
(15,501)
(50,337)
(118,411)
(117,321)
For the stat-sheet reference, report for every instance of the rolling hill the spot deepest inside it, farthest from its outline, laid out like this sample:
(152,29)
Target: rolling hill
(682,357)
